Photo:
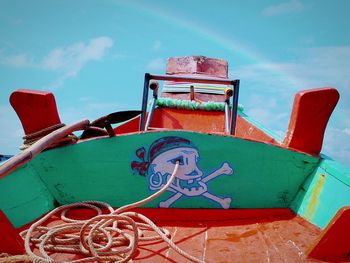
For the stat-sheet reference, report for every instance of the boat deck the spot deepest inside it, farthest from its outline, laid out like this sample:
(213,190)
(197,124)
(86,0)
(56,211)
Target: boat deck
(242,235)
(274,235)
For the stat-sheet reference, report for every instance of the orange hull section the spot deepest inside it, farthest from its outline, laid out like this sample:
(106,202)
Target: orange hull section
(249,235)
(204,121)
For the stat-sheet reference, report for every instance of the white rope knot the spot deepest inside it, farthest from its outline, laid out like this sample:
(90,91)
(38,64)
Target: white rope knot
(30,139)
(111,235)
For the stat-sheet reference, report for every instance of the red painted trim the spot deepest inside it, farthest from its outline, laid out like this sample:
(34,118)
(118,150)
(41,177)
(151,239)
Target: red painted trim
(180,216)
(187,215)
(333,244)
(311,111)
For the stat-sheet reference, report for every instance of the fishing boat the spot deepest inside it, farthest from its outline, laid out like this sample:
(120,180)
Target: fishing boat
(188,177)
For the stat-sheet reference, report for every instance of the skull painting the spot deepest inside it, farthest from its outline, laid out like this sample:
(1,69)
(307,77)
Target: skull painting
(158,164)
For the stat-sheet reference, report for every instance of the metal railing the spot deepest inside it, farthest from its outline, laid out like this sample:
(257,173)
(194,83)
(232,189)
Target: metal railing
(149,77)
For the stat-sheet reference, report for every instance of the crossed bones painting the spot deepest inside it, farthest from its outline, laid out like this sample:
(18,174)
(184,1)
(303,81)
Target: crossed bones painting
(157,164)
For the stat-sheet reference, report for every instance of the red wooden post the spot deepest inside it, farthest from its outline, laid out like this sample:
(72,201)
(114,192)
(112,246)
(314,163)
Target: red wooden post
(311,112)
(37,110)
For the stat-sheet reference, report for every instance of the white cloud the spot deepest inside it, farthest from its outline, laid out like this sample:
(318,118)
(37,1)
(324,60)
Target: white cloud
(269,76)
(347,131)
(312,68)
(11,132)
(18,60)
(277,83)
(307,40)
(266,110)
(71,59)
(156,45)
(157,64)
(336,144)
(268,116)
(68,61)
(91,109)
(290,6)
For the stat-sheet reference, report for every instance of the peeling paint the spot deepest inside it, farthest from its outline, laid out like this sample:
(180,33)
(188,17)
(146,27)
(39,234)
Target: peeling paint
(314,198)
(235,237)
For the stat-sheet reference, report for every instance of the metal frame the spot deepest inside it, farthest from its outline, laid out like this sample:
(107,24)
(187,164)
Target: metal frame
(234,83)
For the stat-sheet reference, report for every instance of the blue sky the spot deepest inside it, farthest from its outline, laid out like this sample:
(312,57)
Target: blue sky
(93,55)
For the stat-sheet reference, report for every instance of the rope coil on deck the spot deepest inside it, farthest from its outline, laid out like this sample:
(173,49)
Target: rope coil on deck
(7,258)
(105,237)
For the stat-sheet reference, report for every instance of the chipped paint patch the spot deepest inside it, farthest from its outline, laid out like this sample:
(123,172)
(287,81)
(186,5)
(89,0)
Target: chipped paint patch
(314,198)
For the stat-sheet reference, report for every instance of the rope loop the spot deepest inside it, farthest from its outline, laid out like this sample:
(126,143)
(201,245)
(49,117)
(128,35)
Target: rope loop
(30,139)
(111,235)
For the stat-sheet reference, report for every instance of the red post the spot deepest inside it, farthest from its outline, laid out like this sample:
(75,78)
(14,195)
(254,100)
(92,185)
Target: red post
(37,110)
(10,241)
(310,115)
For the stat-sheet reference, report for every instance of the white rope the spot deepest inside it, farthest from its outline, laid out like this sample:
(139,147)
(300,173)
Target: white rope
(105,237)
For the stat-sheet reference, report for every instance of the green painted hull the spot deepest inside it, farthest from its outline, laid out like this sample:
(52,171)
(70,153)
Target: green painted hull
(326,190)
(264,176)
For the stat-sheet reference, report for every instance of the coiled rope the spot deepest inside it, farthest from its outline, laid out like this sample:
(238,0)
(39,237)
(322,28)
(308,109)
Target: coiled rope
(30,139)
(7,258)
(105,237)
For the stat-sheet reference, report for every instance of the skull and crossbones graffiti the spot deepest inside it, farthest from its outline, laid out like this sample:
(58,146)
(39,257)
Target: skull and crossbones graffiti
(158,164)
